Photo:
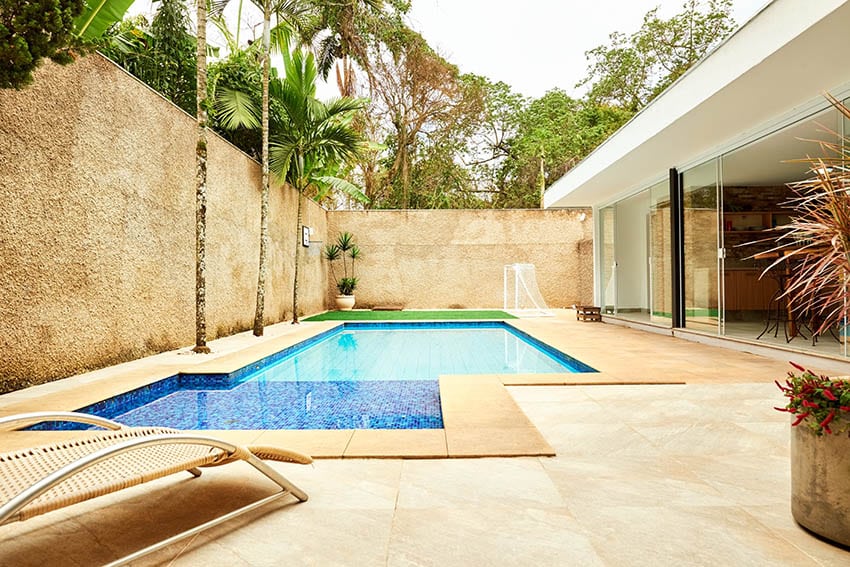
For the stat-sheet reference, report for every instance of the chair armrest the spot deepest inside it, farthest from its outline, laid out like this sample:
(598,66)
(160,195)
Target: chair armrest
(21,420)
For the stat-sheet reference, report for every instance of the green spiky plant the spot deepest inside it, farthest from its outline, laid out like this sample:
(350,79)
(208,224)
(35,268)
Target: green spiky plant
(818,237)
(342,249)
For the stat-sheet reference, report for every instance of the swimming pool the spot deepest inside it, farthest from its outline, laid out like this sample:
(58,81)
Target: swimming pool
(355,376)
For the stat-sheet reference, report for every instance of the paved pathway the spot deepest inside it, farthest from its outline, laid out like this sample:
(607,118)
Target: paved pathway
(692,474)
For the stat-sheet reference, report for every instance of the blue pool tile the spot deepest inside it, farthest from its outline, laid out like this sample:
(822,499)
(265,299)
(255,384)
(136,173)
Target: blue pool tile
(356,375)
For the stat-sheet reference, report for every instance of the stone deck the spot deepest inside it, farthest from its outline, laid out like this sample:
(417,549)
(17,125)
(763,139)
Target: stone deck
(671,455)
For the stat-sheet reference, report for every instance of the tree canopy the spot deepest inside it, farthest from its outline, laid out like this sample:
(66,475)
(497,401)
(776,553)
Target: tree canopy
(30,31)
(439,138)
(633,69)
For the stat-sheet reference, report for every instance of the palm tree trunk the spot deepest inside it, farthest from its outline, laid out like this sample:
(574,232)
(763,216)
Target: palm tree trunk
(201,186)
(297,261)
(264,198)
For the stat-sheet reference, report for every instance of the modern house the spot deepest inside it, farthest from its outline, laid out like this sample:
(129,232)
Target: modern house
(681,191)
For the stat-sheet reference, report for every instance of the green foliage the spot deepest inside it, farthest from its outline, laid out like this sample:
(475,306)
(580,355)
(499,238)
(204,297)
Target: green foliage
(174,52)
(98,16)
(346,35)
(346,286)
(820,403)
(561,131)
(31,30)
(312,137)
(241,72)
(343,249)
(632,70)
(162,53)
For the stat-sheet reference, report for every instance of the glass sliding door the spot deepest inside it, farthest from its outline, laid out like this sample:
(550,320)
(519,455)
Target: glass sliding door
(701,243)
(608,283)
(632,235)
(659,261)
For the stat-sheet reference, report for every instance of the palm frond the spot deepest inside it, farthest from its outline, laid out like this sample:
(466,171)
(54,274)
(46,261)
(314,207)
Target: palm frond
(344,105)
(328,51)
(97,17)
(281,152)
(236,109)
(817,239)
(215,8)
(280,38)
(345,187)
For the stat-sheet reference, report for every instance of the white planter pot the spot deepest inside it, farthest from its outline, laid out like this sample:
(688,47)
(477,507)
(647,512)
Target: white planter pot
(820,483)
(345,302)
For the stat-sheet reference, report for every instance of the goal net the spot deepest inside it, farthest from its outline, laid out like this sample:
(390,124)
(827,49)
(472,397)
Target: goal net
(522,296)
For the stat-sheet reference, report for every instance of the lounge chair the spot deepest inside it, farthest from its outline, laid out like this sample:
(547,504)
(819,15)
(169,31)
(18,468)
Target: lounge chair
(45,478)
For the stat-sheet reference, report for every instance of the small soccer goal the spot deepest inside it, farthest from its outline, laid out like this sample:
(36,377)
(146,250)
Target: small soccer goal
(522,296)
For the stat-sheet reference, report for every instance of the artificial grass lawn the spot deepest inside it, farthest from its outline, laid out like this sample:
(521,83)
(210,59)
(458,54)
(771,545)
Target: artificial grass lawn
(453,314)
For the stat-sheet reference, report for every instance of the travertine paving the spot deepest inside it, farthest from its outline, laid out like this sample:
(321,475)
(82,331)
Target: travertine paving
(644,474)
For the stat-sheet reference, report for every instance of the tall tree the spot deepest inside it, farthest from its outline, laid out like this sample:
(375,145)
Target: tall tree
(31,30)
(291,11)
(632,70)
(554,132)
(162,53)
(314,137)
(173,54)
(413,91)
(201,183)
(346,39)
(264,193)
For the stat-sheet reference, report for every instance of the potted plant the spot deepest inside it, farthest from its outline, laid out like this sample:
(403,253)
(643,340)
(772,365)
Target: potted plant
(346,250)
(817,240)
(820,452)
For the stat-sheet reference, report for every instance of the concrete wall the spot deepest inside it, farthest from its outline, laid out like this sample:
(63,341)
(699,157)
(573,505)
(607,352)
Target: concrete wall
(97,232)
(440,258)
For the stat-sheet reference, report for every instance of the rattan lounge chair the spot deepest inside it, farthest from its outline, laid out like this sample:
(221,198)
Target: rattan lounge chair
(41,479)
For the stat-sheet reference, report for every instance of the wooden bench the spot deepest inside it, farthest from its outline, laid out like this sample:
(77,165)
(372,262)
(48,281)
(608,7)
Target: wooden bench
(588,313)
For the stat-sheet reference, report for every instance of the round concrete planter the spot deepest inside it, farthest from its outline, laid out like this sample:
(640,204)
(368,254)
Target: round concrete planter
(820,483)
(345,302)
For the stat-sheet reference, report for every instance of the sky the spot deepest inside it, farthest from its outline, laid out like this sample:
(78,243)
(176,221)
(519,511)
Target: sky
(532,45)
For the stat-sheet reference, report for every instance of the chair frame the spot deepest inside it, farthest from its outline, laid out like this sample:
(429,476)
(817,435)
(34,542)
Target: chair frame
(11,510)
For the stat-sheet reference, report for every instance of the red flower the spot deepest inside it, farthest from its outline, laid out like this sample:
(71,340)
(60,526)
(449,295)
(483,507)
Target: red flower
(829,395)
(826,421)
(797,366)
(801,417)
(808,404)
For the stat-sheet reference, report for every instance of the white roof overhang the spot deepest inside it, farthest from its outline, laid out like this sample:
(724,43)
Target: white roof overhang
(773,68)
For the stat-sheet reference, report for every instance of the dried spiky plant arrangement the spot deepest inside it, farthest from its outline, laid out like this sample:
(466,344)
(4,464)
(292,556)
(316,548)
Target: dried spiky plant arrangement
(817,240)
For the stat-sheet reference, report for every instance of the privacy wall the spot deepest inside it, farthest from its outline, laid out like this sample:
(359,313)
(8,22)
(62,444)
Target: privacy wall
(455,258)
(97,232)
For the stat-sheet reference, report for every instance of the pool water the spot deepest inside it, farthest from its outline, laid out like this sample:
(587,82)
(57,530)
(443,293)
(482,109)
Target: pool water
(357,376)
(413,353)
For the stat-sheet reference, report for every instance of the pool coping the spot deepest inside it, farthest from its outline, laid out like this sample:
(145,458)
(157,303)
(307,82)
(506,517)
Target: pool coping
(481,418)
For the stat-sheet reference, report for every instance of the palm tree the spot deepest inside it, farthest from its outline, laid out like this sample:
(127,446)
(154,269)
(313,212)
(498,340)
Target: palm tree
(201,184)
(291,12)
(345,41)
(313,139)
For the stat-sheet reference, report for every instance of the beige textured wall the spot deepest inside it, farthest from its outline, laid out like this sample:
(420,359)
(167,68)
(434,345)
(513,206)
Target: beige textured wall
(455,258)
(97,231)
